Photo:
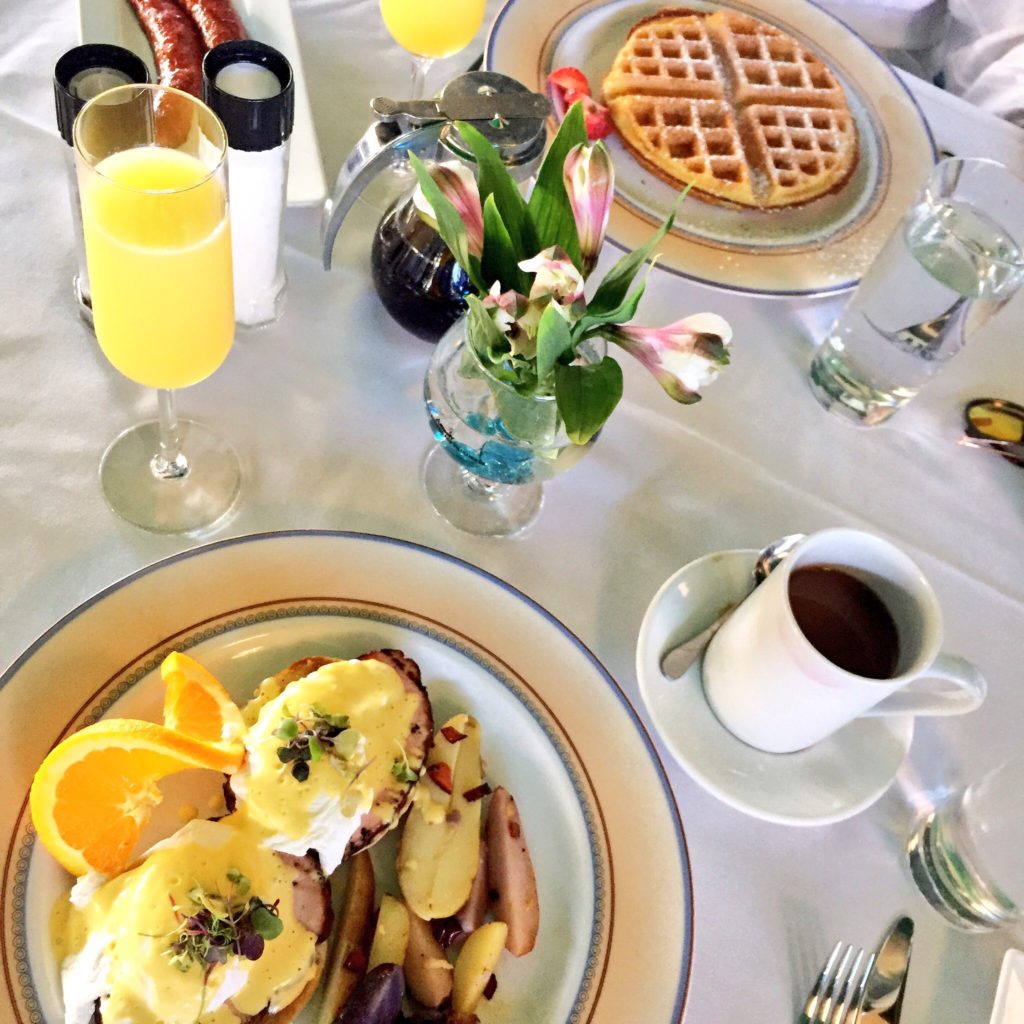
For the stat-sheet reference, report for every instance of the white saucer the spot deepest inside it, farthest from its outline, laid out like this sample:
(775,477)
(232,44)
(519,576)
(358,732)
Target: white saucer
(828,782)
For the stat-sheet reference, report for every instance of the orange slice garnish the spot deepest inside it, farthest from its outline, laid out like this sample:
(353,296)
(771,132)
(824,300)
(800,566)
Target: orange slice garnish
(196,704)
(95,791)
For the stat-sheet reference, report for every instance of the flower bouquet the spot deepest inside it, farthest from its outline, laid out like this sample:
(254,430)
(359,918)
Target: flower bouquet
(531,341)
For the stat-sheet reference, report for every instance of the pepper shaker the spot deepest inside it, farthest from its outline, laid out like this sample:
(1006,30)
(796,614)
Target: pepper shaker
(80,74)
(249,86)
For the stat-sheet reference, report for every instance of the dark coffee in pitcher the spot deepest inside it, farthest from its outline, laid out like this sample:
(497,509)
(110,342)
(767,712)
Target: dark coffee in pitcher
(417,278)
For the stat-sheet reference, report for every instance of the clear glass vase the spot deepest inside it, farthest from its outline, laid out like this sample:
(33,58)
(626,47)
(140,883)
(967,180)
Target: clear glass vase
(495,447)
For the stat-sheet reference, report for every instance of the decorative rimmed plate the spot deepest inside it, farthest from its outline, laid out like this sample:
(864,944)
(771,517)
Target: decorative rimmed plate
(269,21)
(835,779)
(824,246)
(604,831)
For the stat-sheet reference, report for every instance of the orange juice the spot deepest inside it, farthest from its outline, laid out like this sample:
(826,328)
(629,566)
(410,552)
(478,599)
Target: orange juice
(159,252)
(432,29)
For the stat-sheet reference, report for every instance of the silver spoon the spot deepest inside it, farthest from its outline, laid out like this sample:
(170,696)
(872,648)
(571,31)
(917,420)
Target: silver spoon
(676,661)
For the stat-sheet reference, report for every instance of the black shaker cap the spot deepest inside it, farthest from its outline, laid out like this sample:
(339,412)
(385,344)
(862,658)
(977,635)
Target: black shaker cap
(252,125)
(84,58)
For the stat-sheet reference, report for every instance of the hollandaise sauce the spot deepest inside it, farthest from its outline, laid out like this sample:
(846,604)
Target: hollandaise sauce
(359,715)
(121,937)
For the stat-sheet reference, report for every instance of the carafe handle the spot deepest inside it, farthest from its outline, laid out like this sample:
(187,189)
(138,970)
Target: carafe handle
(374,152)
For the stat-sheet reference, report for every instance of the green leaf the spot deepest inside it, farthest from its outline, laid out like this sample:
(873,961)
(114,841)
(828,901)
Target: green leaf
(549,204)
(239,881)
(621,314)
(316,750)
(402,772)
(494,180)
(586,396)
(265,922)
(612,291)
(489,343)
(449,223)
(345,744)
(553,339)
(288,729)
(500,262)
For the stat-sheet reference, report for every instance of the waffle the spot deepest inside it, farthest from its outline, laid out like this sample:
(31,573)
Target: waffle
(667,57)
(764,65)
(733,106)
(798,152)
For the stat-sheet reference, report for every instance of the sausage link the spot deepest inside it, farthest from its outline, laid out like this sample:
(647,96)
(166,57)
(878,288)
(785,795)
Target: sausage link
(176,43)
(218,21)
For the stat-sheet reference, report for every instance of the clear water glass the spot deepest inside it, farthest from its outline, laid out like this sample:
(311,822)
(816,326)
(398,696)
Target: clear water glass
(952,264)
(967,855)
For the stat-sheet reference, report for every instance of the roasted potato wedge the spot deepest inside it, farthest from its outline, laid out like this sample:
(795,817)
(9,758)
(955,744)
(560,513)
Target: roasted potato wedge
(427,970)
(474,967)
(351,939)
(510,873)
(440,847)
(472,913)
(391,936)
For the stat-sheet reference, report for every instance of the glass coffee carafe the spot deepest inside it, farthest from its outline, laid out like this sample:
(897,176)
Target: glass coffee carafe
(419,282)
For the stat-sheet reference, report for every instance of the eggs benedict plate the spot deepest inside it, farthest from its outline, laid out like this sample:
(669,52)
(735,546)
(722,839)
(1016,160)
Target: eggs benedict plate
(555,732)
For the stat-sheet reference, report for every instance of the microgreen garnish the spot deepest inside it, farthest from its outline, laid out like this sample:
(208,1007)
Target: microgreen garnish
(312,737)
(402,770)
(215,926)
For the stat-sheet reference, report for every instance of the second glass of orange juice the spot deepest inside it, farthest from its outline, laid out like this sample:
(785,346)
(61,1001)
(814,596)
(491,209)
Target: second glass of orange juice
(158,245)
(431,30)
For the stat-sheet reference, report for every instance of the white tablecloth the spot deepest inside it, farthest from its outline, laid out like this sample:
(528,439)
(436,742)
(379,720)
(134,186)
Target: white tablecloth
(325,407)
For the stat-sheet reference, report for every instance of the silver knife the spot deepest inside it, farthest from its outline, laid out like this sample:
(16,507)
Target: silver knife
(883,1000)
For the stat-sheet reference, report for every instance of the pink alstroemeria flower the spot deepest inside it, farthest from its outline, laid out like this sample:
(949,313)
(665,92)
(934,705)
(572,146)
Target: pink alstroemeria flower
(458,185)
(505,307)
(684,356)
(590,185)
(556,277)
(513,313)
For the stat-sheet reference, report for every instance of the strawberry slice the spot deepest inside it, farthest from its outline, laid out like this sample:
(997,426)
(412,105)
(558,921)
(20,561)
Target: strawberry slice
(566,86)
(597,119)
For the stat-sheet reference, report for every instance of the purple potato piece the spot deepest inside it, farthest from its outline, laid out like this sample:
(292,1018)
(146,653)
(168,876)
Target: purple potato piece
(377,999)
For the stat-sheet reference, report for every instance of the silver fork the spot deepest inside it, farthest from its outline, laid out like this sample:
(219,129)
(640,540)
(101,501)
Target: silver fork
(838,994)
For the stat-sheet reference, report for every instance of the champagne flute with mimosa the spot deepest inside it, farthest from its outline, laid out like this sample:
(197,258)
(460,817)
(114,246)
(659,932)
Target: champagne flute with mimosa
(155,217)
(431,30)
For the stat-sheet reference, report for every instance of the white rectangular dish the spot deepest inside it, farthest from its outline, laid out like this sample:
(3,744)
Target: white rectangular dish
(1009,1005)
(269,21)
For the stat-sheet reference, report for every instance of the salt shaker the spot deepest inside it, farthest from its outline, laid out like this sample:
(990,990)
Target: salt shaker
(249,86)
(80,74)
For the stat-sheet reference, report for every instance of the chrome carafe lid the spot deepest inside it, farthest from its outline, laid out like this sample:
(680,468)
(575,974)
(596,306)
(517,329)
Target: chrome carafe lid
(503,110)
